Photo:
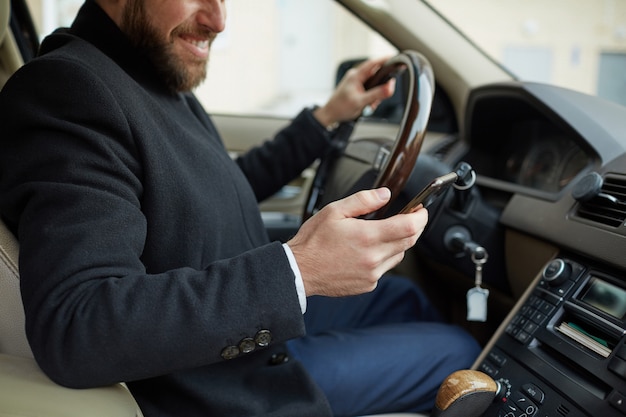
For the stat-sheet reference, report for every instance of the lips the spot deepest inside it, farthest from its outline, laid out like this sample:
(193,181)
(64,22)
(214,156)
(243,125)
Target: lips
(198,47)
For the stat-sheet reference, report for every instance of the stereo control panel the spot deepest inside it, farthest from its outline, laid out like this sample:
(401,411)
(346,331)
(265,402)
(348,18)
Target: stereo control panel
(563,353)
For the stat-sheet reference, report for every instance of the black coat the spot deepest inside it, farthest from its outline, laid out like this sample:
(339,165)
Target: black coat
(143,256)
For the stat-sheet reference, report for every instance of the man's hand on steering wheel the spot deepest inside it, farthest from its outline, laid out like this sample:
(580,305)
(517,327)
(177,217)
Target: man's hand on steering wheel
(373,163)
(350,97)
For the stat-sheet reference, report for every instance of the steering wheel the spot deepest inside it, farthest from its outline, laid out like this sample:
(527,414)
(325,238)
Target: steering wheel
(350,166)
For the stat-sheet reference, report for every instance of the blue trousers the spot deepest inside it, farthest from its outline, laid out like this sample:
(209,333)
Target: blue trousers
(381,352)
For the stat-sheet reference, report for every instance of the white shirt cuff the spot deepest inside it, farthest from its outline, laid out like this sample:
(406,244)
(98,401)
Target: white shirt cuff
(298,281)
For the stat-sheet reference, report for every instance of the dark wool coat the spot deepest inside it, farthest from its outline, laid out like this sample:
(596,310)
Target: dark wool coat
(143,256)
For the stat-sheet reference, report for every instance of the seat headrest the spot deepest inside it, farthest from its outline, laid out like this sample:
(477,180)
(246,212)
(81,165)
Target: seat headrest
(5,14)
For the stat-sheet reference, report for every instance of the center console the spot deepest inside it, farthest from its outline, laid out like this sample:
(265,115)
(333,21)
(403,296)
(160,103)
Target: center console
(562,352)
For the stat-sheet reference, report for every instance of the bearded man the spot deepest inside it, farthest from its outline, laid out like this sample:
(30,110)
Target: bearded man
(143,255)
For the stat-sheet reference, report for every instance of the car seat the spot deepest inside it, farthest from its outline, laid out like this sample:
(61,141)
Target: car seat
(24,389)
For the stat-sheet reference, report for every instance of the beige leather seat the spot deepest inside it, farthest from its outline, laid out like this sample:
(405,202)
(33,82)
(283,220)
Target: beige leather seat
(24,389)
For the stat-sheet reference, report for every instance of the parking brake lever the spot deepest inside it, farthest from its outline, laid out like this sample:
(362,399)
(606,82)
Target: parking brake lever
(466,393)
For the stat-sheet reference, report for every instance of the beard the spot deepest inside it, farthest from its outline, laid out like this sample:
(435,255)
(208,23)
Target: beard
(179,75)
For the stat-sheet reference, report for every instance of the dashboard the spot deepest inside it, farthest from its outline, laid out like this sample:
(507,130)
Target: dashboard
(513,142)
(561,351)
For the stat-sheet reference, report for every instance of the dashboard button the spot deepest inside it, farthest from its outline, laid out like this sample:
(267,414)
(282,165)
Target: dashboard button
(534,301)
(546,308)
(487,368)
(523,337)
(551,298)
(512,330)
(618,400)
(534,393)
(562,289)
(538,317)
(526,406)
(530,327)
(497,358)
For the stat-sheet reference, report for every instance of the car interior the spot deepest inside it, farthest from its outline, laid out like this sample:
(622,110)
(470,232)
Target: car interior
(537,212)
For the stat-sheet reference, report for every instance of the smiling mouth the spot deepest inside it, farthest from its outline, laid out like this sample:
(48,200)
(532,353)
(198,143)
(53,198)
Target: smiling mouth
(204,44)
(199,47)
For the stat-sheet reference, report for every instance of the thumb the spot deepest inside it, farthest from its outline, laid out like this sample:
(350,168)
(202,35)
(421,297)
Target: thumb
(364,202)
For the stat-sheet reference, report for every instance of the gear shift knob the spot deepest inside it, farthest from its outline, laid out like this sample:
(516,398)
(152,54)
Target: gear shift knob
(465,393)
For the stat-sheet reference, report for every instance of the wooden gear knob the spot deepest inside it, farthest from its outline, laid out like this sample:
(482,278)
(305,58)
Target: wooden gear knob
(465,393)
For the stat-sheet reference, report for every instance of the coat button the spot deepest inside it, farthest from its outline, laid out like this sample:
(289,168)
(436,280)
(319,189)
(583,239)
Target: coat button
(279,358)
(247,345)
(230,352)
(263,338)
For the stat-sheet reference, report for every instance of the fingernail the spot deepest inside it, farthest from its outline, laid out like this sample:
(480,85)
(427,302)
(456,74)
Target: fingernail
(383,193)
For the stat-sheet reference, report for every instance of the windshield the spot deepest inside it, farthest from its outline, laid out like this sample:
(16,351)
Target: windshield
(577,44)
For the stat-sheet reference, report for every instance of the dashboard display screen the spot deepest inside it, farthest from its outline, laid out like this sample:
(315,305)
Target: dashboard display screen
(606,297)
(542,158)
(516,142)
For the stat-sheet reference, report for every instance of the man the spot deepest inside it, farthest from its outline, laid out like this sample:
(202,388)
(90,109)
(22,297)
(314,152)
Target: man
(143,256)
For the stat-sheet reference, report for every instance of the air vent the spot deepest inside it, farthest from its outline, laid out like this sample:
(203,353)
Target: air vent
(609,206)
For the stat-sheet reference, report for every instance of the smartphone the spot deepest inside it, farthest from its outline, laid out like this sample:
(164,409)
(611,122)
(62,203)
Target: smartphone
(430,193)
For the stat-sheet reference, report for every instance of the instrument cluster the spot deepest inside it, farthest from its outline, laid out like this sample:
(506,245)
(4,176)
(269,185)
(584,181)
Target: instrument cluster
(544,163)
(516,144)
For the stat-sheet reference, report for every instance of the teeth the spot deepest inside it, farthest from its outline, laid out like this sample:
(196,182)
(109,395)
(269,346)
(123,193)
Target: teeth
(200,44)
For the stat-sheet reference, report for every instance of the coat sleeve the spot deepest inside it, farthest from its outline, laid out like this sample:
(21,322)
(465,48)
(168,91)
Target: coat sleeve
(273,164)
(71,189)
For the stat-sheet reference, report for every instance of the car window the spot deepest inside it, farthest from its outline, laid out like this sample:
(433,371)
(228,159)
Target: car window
(279,55)
(275,56)
(577,44)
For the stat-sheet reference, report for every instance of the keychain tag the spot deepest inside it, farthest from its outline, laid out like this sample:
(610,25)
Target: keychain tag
(477,296)
(477,304)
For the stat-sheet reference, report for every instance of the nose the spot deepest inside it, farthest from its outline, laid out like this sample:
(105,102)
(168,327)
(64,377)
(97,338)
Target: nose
(212,15)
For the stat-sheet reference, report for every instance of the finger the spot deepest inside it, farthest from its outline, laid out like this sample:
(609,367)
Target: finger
(419,217)
(369,67)
(366,69)
(405,228)
(363,202)
(389,87)
(374,95)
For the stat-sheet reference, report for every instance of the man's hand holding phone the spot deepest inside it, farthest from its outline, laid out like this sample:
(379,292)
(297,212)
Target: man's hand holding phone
(339,253)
